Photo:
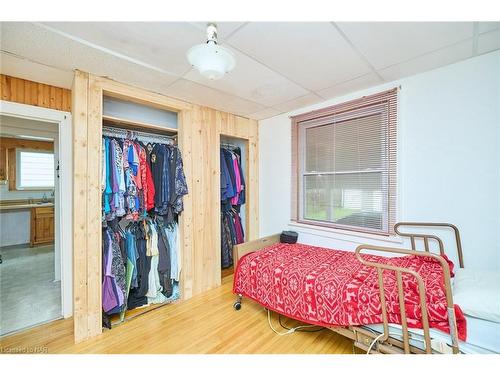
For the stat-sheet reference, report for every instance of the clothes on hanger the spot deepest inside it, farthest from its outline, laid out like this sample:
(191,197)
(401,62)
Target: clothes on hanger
(232,180)
(139,178)
(140,264)
(232,184)
(142,189)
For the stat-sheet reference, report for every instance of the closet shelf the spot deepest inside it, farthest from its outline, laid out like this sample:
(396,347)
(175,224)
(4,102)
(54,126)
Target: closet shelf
(134,124)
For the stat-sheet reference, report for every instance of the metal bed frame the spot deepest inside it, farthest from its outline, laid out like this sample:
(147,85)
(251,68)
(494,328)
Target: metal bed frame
(362,337)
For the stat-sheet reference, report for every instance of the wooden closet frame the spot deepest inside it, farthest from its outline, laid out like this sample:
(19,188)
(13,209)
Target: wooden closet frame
(199,132)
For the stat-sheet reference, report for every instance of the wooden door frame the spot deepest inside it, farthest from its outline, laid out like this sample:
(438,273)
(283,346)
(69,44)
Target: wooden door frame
(63,209)
(88,93)
(236,127)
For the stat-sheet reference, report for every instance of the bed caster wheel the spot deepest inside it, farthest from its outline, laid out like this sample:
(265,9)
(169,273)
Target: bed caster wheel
(237,305)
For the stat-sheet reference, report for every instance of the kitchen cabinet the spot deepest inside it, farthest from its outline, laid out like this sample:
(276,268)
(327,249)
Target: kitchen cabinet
(42,225)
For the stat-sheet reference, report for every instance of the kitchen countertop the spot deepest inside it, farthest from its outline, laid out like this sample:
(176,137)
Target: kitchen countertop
(24,206)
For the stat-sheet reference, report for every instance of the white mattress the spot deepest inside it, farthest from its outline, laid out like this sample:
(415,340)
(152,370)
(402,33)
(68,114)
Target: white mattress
(483,336)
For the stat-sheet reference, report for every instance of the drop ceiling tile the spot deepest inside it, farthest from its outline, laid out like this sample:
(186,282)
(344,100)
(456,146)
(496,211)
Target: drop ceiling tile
(359,83)
(484,27)
(161,44)
(23,68)
(312,54)
(253,81)
(488,42)
(299,102)
(265,113)
(199,94)
(46,47)
(433,60)
(388,43)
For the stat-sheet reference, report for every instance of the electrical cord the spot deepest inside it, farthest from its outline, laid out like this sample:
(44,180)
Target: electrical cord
(289,331)
(373,342)
(301,330)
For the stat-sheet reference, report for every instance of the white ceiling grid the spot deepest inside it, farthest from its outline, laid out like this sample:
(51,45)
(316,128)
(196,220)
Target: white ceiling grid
(281,66)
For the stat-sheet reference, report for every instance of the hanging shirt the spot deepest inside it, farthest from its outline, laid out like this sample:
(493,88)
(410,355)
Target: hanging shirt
(157,159)
(118,195)
(113,295)
(150,186)
(236,168)
(171,233)
(227,190)
(181,187)
(164,265)
(103,166)
(132,256)
(108,190)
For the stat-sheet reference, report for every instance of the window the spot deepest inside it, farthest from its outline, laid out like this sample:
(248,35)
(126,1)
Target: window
(35,170)
(344,165)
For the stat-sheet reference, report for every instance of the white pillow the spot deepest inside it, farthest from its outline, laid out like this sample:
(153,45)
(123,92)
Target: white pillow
(477,292)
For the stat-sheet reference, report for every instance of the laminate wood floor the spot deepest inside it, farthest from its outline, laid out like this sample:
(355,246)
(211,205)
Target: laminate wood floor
(206,323)
(28,293)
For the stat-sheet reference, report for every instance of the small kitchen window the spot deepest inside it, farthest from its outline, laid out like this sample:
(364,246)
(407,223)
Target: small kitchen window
(35,170)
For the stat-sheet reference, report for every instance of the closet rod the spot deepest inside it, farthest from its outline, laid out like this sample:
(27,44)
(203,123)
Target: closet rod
(132,134)
(223,144)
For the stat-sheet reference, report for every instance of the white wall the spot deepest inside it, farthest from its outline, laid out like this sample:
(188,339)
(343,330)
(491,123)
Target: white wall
(15,228)
(448,160)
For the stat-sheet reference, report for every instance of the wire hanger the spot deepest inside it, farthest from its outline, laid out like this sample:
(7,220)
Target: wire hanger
(136,135)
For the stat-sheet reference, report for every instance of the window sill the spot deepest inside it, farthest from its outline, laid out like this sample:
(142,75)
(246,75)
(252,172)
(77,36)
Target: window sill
(344,235)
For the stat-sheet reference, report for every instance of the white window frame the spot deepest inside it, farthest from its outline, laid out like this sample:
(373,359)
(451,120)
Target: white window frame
(301,173)
(18,171)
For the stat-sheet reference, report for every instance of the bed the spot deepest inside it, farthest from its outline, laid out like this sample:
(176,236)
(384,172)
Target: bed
(360,295)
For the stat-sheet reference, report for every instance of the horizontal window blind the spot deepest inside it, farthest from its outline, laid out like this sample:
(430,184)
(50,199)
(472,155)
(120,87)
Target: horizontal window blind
(36,170)
(344,163)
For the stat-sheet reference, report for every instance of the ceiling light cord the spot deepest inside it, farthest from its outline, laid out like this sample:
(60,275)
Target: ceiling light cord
(212,33)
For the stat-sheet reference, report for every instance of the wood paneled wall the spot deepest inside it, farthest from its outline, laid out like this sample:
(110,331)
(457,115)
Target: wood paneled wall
(23,91)
(199,134)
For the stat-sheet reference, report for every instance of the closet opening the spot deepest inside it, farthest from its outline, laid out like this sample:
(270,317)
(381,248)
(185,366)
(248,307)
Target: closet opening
(142,186)
(233,197)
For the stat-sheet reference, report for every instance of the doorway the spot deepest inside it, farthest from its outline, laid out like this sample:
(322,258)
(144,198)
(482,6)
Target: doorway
(35,254)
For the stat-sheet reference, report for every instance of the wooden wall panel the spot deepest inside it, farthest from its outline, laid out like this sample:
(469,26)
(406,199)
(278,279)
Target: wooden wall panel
(22,91)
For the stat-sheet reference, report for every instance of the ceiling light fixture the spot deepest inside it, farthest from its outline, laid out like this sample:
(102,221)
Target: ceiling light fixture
(211,59)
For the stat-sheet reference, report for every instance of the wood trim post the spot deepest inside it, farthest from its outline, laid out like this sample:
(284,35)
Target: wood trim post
(80,213)
(94,225)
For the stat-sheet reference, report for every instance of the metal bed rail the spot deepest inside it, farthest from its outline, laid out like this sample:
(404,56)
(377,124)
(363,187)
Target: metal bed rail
(381,267)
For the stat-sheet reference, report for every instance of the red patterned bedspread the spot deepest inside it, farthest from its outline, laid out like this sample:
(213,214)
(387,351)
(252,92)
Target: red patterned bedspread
(329,287)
